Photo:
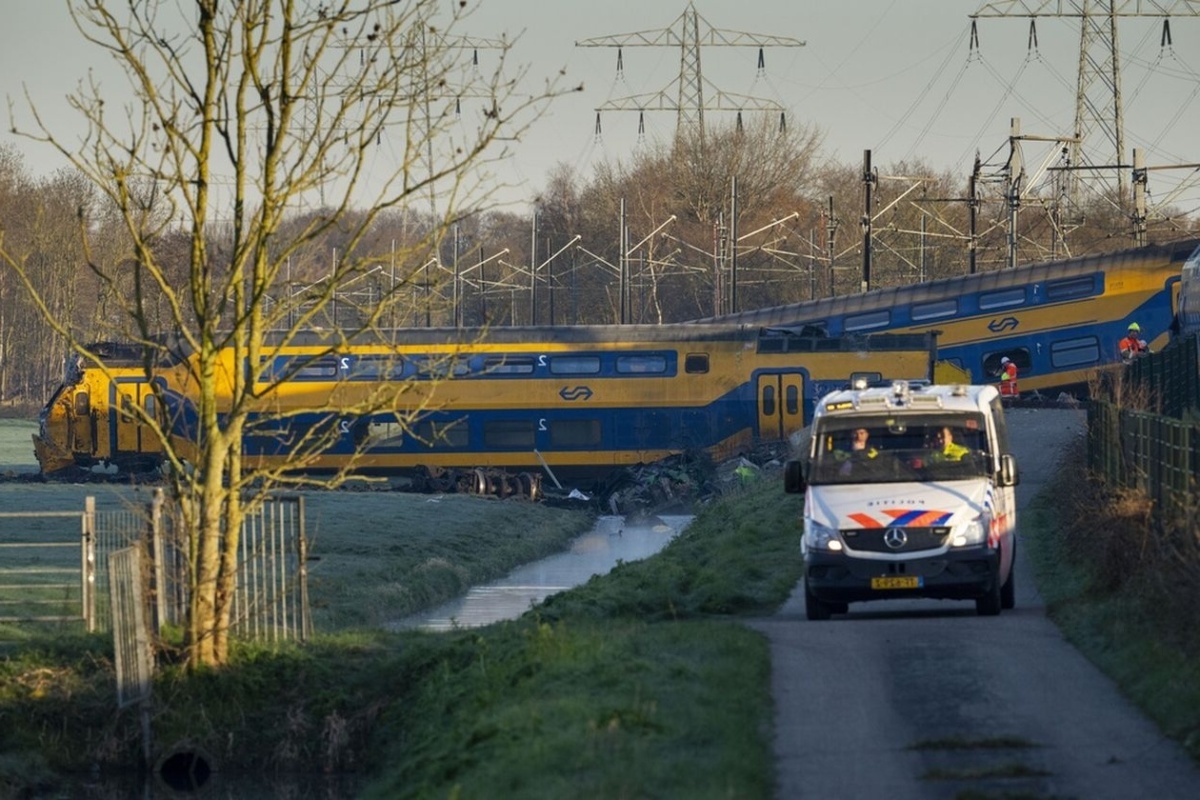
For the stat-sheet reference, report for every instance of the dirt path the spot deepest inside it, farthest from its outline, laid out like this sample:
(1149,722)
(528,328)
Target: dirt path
(907,699)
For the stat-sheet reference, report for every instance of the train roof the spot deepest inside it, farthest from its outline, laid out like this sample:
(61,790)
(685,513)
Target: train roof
(815,310)
(780,339)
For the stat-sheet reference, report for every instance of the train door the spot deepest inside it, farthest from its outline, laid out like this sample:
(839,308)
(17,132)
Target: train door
(81,427)
(780,405)
(129,433)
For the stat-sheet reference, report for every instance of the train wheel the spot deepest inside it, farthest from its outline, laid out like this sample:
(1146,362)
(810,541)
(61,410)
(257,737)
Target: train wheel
(531,485)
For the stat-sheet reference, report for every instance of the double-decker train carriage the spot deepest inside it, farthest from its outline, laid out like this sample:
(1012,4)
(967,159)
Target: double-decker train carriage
(1057,321)
(574,402)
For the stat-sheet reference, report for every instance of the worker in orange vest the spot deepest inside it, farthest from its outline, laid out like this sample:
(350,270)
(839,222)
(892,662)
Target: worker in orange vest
(1008,379)
(1133,345)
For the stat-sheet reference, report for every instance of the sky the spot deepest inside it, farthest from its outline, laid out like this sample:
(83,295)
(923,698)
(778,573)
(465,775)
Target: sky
(897,77)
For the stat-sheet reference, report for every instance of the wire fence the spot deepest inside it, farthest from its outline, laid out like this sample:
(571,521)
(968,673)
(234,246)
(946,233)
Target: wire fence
(55,568)
(1155,453)
(1171,377)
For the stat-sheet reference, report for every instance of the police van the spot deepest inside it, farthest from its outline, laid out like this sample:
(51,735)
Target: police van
(909,492)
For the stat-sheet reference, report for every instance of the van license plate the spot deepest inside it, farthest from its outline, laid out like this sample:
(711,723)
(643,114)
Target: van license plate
(896,582)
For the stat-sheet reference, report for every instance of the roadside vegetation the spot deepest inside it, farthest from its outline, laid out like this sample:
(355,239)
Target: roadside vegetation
(1125,594)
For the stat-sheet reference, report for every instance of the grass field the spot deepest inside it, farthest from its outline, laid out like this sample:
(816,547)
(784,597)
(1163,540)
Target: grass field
(16,447)
(378,555)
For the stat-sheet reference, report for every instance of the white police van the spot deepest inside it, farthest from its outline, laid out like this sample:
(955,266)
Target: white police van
(908,493)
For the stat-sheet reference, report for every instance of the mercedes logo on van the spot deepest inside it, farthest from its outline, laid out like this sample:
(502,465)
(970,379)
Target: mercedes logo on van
(895,538)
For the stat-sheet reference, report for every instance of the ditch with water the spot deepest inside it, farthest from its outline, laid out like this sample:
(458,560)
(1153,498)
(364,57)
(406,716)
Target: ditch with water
(613,539)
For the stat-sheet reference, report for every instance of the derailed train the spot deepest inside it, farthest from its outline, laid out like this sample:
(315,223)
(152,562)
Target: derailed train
(1058,321)
(455,406)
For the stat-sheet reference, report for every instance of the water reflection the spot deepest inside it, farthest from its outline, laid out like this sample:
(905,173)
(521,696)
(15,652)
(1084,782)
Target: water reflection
(613,539)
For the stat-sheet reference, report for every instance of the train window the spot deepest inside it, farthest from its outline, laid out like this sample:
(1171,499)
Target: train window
(439,435)
(321,368)
(642,363)
(1071,288)
(873,319)
(508,365)
(575,433)
(439,367)
(1008,297)
(325,368)
(575,365)
(1019,355)
(126,406)
(83,404)
(696,363)
(791,399)
(509,433)
(768,401)
(149,402)
(1075,352)
(941,308)
(373,368)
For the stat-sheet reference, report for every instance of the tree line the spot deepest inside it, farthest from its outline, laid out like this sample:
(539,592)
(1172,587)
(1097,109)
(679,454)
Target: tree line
(796,216)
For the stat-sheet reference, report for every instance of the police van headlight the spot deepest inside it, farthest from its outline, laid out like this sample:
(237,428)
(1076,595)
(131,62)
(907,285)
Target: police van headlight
(970,533)
(820,537)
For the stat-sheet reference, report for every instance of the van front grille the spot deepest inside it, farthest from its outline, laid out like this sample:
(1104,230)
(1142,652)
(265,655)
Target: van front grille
(895,540)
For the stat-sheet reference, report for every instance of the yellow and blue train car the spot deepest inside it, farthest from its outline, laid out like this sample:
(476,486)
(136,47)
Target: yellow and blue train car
(90,419)
(1057,321)
(578,401)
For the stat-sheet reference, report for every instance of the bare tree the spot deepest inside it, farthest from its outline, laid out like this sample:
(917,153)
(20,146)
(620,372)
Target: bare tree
(254,131)
(679,270)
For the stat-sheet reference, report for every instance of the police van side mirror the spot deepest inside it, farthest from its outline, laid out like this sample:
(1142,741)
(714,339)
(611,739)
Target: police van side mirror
(1008,470)
(793,477)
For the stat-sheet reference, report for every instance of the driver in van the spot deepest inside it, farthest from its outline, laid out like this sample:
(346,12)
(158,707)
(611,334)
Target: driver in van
(859,443)
(858,448)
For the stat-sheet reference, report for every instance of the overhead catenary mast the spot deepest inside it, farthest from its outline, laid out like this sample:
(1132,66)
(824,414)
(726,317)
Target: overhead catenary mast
(1099,107)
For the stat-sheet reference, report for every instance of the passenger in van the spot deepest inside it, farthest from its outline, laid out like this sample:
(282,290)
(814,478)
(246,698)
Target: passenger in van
(945,448)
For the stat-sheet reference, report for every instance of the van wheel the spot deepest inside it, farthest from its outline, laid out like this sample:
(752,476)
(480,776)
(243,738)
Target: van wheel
(989,605)
(815,608)
(1008,592)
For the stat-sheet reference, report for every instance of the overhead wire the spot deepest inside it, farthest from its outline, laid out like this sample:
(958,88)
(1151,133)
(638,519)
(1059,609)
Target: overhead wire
(887,137)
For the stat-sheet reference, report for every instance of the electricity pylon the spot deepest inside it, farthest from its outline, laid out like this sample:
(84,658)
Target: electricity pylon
(689,99)
(1098,104)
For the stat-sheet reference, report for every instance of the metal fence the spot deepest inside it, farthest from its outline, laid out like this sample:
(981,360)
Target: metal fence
(1171,377)
(49,573)
(131,642)
(270,602)
(1152,453)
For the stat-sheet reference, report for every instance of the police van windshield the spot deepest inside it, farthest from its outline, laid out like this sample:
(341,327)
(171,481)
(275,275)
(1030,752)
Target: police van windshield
(900,449)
